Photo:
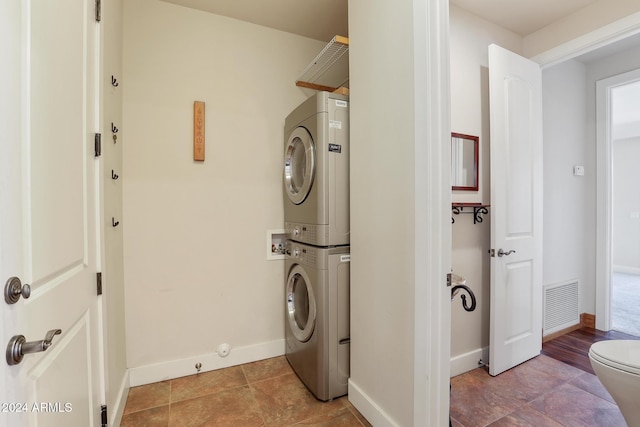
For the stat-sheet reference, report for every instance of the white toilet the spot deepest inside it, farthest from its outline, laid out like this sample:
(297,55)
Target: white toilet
(617,365)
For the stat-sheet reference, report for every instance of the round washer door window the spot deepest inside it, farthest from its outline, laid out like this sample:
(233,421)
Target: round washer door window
(301,304)
(299,165)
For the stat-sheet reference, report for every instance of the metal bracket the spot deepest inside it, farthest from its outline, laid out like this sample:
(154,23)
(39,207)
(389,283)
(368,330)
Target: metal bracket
(97,143)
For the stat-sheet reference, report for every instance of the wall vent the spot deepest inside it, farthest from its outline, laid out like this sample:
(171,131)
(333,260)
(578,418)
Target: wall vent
(560,306)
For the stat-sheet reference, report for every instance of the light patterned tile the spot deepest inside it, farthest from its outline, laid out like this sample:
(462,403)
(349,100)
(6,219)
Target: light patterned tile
(572,406)
(473,403)
(147,396)
(342,417)
(154,417)
(552,367)
(526,417)
(284,401)
(355,412)
(591,383)
(207,383)
(524,382)
(230,408)
(265,369)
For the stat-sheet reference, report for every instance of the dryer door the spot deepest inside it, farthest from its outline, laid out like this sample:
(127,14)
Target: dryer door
(299,165)
(301,304)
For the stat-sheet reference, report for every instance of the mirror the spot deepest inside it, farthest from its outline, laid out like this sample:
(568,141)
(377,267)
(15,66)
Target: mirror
(464,162)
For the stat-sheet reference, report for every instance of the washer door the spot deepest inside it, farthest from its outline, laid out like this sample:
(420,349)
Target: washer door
(299,165)
(301,304)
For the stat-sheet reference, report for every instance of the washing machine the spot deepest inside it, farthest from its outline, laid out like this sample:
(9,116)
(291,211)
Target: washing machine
(316,171)
(317,312)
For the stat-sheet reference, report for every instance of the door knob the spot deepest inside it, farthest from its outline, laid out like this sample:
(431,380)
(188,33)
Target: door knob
(18,346)
(507,253)
(14,288)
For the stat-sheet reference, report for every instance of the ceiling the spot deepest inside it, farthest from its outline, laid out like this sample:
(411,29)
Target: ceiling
(316,19)
(523,17)
(323,19)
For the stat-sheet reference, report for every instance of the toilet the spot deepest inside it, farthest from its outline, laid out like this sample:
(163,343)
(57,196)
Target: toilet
(617,365)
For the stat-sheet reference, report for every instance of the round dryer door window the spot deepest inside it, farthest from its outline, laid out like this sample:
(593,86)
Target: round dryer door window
(299,165)
(301,304)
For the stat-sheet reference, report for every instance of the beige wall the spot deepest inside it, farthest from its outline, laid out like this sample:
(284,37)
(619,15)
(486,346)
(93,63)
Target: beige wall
(382,202)
(196,272)
(116,381)
(470,38)
(399,225)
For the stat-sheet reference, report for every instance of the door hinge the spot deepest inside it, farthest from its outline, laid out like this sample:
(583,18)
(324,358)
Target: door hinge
(98,10)
(448,279)
(103,415)
(99,283)
(97,143)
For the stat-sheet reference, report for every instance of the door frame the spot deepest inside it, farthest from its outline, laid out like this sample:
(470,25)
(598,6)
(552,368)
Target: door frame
(616,31)
(604,193)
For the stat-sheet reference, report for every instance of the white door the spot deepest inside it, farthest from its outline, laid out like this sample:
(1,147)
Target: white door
(515,86)
(49,210)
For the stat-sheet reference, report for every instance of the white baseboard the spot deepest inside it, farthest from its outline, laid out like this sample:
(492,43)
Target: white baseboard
(625,269)
(368,408)
(469,361)
(210,361)
(115,413)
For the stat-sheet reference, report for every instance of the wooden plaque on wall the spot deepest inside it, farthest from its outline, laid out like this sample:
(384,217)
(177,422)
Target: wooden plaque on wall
(198,131)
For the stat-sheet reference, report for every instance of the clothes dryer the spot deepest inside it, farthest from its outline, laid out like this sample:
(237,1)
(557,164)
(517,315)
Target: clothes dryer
(317,312)
(316,171)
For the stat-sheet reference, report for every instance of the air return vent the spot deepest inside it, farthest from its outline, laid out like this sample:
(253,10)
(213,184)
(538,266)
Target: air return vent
(560,306)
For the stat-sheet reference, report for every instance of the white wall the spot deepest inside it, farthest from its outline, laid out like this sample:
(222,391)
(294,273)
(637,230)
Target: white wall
(196,272)
(470,38)
(569,220)
(626,205)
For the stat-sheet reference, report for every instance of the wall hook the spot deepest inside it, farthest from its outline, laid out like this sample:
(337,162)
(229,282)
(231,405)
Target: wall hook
(114,223)
(114,82)
(114,176)
(467,307)
(114,129)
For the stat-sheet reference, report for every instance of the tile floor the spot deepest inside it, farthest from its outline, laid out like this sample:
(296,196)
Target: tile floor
(540,392)
(625,299)
(263,393)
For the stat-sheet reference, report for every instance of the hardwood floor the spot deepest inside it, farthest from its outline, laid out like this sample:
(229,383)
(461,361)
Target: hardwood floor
(573,348)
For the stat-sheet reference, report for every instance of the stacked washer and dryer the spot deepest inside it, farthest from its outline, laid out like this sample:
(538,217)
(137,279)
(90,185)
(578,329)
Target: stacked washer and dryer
(317,257)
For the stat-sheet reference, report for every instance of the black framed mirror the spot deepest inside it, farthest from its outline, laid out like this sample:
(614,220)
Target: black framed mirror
(464,162)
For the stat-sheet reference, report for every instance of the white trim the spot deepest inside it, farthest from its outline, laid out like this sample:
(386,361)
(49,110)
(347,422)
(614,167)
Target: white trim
(432,244)
(611,33)
(368,408)
(210,361)
(116,412)
(604,194)
(603,208)
(604,181)
(469,361)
